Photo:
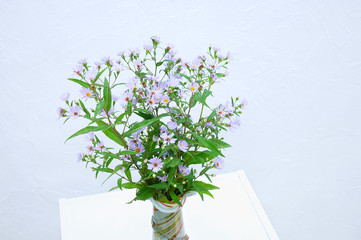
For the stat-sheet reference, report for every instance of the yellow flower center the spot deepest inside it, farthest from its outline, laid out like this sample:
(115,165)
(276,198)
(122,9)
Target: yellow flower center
(137,150)
(88,94)
(165,100)
(193,88)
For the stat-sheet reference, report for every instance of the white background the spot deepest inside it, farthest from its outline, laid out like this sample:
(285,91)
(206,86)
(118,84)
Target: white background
(297,62)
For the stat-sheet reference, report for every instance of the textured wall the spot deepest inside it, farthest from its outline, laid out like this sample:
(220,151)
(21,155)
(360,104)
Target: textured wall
(297,62)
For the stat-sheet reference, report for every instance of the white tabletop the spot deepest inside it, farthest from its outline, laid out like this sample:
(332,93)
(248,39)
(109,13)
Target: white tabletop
(234,213)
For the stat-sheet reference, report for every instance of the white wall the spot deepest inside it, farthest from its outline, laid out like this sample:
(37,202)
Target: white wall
(297,62)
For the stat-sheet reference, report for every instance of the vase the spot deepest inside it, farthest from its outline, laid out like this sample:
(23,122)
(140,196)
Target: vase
(167,220)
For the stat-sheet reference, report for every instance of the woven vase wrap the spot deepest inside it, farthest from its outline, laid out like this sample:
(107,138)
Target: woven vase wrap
(167,220)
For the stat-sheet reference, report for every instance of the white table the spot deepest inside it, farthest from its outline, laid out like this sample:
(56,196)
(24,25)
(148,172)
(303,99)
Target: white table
(235,213)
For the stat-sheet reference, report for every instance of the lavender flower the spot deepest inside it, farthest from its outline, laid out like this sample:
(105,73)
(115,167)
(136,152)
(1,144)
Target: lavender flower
(162,130)
(234,123)
(90,148)
(155,39)
(184,169)
(148,47)
(61,112)
(165,99)
(100,146)
(138,65)
(155,164)
(74,111)
(82,61)
(172,125)
(163,179)
(78,69)
(86,93)
(90,136)
(193,87)
(168,139)
(218,163)
(80,157)
(65,96)
(183,145)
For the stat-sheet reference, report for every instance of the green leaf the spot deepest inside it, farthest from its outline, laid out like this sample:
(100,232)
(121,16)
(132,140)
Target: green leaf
(119,182)
(159,185)
(128,173)
(140,125)
(126,152)
(144,113)
(204,185)
(80,82)
(208,144)
(130,185)
(99,74)
(98,107)
(172,163)
(175,198)
(187,77)
(84,108)
(159,63)
(219,144)
(87,130)
(109,132)
(145,193)
(107,95)
(201,157)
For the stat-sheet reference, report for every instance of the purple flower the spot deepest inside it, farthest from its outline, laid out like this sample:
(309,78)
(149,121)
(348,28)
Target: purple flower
(118,67)
(100,146)
(74,111)
(218,163)
(168,139)
(155,39)
(60,111)
(195,64)
(184,169)
(162,130)
(78,69)
(82,61)
(155,138)
(172,125)
(98,64)
(163,179)
(234,123)
(209,125)
(138,65)
(121,53)
(65,96)
(183,145)
(107,60)
(165,99)
(86,92)
(155,164)
(90,148)
(173,82)
(244,103)
(90,136)
(139,148)
(91,74)
(148,47)
(193,87)
(80,157)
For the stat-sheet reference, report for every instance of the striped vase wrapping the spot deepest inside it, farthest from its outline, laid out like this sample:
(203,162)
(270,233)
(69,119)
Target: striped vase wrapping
(167,220)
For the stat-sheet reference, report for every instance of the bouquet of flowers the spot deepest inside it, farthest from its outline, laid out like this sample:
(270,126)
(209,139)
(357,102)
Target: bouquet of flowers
(163,147)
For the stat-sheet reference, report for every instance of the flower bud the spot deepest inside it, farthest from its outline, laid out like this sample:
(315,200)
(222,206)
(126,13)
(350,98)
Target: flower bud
(171,158)
(184,182)
(145,160)
(175,185)
(154,175)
